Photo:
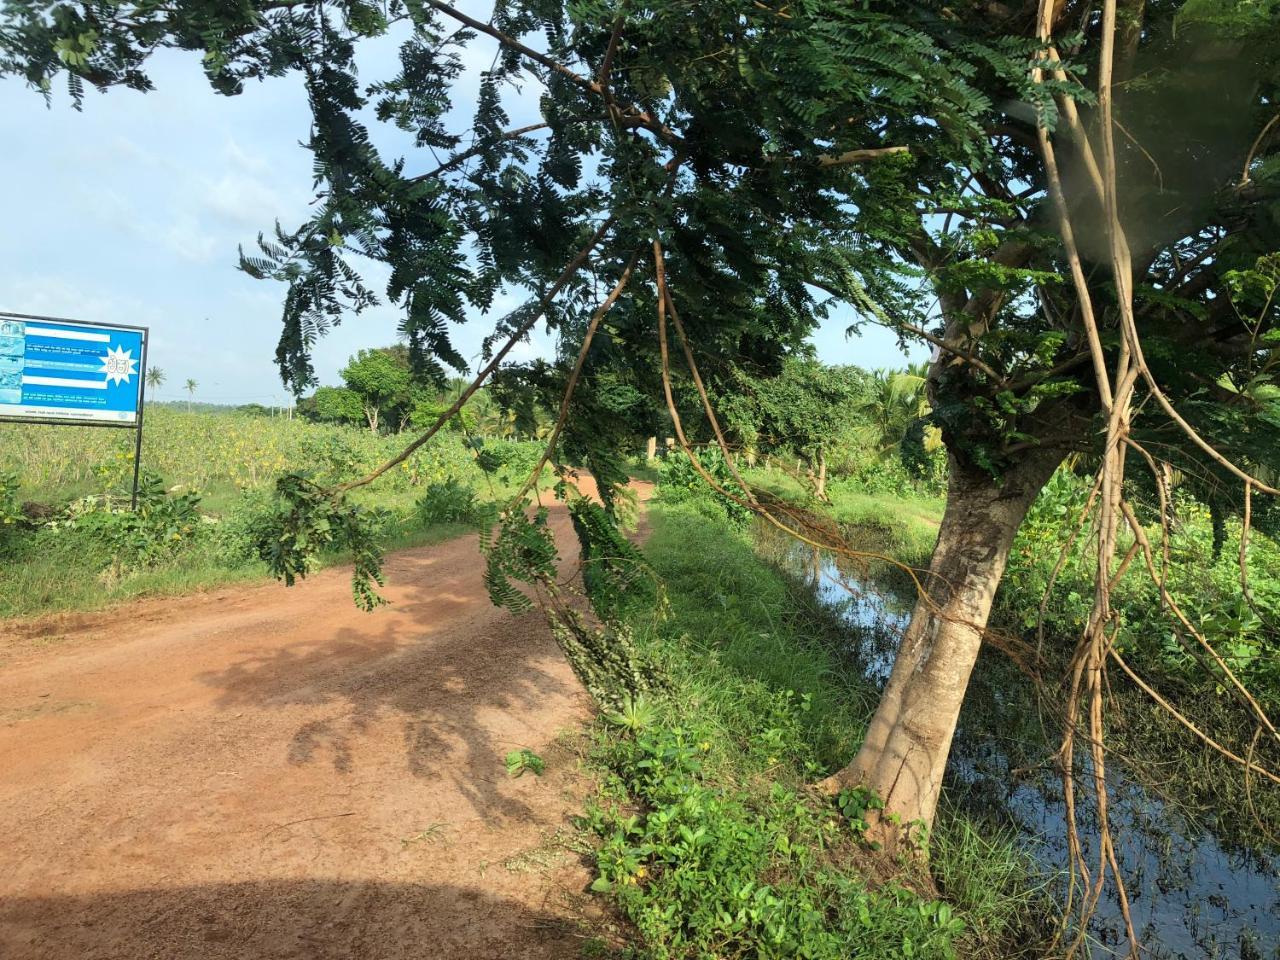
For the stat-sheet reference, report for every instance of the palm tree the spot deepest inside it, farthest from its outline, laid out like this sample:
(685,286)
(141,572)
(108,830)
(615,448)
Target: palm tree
(190,386)
(896,400)
(155,377)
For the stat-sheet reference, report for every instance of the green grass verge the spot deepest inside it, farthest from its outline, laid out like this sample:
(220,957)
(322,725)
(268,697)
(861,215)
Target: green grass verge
(52,574)
(709,842)
(904,524)
(59,566)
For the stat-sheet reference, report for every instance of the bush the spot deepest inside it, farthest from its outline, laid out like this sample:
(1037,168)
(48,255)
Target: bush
(10,508)
(1203,578)
(158,528)
(679,482)
(238,532)
(890,475)
(448,502)
(511,461)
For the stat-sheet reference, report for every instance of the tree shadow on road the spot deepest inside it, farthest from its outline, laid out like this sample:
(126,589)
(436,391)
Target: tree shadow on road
(311,919)
(466,682)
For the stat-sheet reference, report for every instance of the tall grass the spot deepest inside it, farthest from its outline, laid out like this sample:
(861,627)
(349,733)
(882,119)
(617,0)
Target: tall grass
(904,523)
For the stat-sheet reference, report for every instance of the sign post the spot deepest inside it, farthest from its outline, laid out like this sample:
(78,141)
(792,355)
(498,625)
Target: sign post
(59,371)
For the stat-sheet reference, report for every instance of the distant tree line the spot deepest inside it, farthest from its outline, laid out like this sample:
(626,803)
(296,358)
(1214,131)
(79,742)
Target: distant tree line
(381,392)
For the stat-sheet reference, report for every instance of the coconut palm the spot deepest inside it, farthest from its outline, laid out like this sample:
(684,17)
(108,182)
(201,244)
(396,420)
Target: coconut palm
(190,386)
(895,400)
(155,377)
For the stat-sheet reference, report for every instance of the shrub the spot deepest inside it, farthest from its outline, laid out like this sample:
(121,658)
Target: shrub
(10,508)
(448,502)
(679,481)
(158,528)
(890,475)
(238,532)
(511,461)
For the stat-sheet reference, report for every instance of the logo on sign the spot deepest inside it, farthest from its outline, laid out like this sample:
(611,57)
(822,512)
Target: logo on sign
(118,365)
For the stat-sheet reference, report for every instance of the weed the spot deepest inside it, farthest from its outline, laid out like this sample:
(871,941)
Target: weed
(431,834)
(448,502)
(856,803)
(518,761)
(635,714)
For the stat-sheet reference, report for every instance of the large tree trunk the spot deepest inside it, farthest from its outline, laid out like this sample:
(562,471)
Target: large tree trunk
(905,752)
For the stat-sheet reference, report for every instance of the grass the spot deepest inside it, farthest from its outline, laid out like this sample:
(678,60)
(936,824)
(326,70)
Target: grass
(46,576)
(905,525)
(232,462)
(710,842)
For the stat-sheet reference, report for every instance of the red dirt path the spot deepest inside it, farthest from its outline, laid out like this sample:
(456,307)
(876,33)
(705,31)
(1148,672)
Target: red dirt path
(262,772)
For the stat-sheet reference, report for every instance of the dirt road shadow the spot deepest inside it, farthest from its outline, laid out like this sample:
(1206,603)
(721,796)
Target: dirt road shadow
(463,698)
(315,920)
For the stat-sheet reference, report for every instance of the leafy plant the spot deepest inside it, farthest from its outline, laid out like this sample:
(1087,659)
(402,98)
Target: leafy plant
(448,501)
(855,803)
(160,525)
(635,715)
(680,481)
(10,506)
(520,761)
(705,868)
(309,519)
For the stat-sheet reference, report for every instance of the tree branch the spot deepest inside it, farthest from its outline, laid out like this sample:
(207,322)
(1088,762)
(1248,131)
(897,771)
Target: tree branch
(646,120)
(858,156)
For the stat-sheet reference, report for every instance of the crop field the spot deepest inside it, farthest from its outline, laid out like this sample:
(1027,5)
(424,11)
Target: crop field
(206,496)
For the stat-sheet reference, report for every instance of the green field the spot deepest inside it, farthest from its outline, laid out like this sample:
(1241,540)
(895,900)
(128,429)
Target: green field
(72,544)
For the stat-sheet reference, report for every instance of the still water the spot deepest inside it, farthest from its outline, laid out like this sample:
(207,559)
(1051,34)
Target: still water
(1190,896)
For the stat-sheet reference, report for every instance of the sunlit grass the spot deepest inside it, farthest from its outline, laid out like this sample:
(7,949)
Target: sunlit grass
(758,677)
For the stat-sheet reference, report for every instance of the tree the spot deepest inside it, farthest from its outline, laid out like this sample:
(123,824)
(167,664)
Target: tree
(382,381)
(190,386)
(718,171)
(893,402)
(334,405)
(805,410)
(1033,316)
(155,378)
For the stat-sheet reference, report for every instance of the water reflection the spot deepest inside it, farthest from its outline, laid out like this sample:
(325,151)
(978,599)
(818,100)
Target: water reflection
(1190,896)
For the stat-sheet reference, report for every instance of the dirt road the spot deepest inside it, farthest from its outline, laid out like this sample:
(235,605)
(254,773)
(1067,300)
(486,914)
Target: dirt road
(263,772)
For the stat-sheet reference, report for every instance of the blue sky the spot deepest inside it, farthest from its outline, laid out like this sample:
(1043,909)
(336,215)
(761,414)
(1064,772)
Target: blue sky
(131,211)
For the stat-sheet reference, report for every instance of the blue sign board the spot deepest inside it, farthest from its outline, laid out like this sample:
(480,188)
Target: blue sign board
(70,371)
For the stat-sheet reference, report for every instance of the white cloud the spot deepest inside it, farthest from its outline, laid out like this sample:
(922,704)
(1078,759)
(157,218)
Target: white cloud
(237,156)
(245,201)
(132,152)
(190,241)
(53,296)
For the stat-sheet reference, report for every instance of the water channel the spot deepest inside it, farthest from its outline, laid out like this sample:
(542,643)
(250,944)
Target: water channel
(1192,896)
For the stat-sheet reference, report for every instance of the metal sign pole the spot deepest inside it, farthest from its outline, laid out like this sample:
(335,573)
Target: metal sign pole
(142,402)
